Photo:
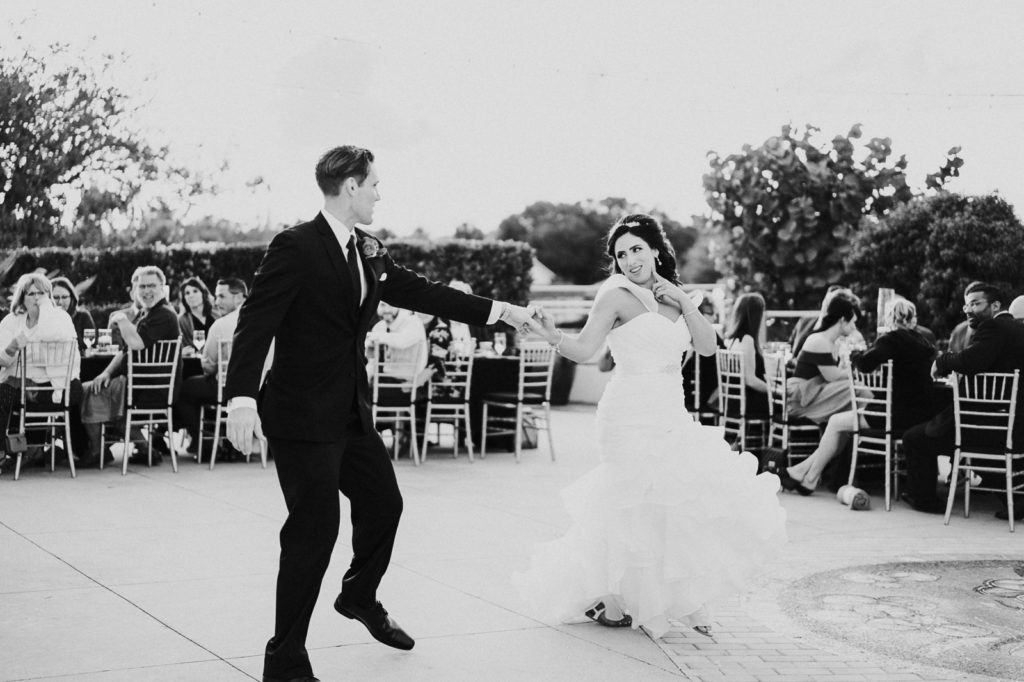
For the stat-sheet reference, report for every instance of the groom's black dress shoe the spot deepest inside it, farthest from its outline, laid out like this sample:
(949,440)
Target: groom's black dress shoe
(291,679)
(381,626)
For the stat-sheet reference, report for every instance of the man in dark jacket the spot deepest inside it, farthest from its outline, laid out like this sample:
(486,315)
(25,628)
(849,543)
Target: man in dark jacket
(997,345)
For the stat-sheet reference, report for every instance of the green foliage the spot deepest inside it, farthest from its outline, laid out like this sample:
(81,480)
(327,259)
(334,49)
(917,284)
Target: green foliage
(569,238)
(493,269)
(931,248)
(63,130)
(784,213)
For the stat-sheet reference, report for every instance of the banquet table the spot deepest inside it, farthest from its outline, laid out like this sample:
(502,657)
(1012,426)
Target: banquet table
(491,373)
(94,363)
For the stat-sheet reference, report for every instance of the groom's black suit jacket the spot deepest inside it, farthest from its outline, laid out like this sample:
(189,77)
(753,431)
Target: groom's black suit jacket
(302,296)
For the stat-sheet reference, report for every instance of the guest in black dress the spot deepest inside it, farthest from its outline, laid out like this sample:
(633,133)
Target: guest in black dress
(195,311)
(66,298)
(911,356)
(747,334)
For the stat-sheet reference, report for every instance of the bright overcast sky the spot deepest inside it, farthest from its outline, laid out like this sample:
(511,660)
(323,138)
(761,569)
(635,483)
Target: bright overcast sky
(476,109)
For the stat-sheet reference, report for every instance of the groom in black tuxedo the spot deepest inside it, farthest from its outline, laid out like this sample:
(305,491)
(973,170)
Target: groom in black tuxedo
(315,293)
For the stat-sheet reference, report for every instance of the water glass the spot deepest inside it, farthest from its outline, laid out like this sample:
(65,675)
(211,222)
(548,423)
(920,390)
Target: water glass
(199,339)
(499,343)
(105,338)
(89,337)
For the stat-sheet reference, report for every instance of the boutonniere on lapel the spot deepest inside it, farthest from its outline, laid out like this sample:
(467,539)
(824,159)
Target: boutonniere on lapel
(371,248)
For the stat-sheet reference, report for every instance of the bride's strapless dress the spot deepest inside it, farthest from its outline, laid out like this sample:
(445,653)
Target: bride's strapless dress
(672,520)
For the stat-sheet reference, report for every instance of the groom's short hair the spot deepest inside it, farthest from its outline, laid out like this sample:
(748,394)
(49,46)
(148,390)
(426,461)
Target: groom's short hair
(346,161)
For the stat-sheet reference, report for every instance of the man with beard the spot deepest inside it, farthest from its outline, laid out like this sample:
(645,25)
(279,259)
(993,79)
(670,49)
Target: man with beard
(996,345)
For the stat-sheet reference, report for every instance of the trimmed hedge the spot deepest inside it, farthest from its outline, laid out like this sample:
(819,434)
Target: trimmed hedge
(495,269)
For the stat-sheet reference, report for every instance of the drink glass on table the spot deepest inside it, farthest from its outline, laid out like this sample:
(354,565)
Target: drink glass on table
(499,343)
(105,339)
(89,337)
(199,339)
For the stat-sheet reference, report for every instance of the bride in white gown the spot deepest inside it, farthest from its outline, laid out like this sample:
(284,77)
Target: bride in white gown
(671,521)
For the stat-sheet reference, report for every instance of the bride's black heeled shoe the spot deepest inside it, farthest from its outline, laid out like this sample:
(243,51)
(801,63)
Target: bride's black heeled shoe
(596,613)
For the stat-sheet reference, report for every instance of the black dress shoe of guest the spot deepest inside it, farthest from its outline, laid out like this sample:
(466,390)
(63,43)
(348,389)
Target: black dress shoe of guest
(291,679)
(1004,513)
(381,626)
(924,506)
(790,483)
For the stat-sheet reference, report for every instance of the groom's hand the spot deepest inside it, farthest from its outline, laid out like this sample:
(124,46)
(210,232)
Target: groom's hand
(244,429)
(518,317)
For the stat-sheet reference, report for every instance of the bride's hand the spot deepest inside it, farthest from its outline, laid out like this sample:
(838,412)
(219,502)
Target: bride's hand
(667,292)
(542,323)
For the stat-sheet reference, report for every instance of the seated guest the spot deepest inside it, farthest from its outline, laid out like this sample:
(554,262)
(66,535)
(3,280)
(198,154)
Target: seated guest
(818,388)
(66,298)
(805,326)
(1017,308)
(195,311)
(960,337)
(461,331)
(105,395)
(229,294)
(911,356)
(708,366)
(404,335)
(747,333)
(33,317)
(997,345)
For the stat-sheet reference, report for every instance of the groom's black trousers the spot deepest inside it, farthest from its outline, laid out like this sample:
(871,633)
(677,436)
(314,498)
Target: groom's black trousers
(311,474)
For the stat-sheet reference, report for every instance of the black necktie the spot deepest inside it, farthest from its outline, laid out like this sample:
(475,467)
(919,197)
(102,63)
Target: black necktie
(353,270)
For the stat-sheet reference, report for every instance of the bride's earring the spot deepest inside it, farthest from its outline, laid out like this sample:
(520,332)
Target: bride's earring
(657,260)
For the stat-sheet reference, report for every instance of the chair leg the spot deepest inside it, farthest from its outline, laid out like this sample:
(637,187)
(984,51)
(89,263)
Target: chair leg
(215,444)
(17,466)
(483,434)
(517,425)
(103,442)
(413,445)
(1009,490)
(127,443)
(952,487)
(551,437)
(170,440)
(853,458)
(426,432)
(67,444)
(888,475)
(199,436)
(469,432)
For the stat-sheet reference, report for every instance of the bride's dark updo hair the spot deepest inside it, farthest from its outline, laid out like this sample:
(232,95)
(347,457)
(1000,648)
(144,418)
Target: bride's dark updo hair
(650,230)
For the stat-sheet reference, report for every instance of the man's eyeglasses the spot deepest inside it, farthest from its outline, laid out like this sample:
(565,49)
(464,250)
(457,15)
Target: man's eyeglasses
(974,304)
(147,286)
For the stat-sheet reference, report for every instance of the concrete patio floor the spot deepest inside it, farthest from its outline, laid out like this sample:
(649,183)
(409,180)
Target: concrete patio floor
(161,576)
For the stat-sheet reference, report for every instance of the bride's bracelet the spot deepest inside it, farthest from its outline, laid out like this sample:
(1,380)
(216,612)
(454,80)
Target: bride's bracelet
(557,345)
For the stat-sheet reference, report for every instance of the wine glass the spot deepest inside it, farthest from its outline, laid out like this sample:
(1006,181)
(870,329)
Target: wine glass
(89,337)
(499,343)
(105,338)
(199,339)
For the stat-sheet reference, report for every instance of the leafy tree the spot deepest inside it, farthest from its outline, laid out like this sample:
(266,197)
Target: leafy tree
(69,152)
(930,248)
(468,231)
(569,238)
(784,213)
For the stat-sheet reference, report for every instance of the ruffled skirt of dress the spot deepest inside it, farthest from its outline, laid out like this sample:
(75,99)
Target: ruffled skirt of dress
(670,522)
